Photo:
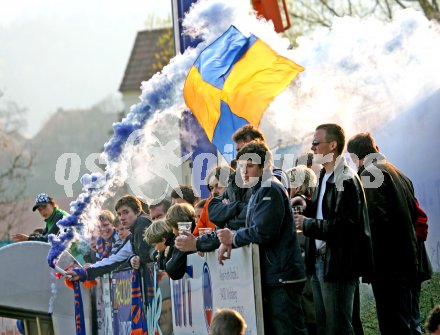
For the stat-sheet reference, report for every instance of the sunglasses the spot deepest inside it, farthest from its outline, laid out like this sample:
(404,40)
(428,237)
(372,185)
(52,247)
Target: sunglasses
(316,143)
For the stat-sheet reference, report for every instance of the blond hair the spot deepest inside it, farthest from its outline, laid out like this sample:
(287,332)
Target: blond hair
(303,177)
(156,232)
(182,212)
(106,214)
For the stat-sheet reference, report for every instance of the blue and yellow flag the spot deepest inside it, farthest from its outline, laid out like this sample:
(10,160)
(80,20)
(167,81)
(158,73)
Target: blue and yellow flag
(232,83)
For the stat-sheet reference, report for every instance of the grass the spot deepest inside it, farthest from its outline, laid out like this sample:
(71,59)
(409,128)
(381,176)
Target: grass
(429,297)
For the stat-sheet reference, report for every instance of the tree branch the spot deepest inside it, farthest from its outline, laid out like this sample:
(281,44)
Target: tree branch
(389,10)
(400,4)
(332,10)
(350,9)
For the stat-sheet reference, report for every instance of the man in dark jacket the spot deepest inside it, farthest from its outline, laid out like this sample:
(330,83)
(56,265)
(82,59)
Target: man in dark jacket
(229,210)
(392,212)
(338,245)
(269,223)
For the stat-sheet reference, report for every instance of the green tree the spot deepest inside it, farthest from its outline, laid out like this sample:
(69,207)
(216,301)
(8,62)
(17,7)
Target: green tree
(165,46)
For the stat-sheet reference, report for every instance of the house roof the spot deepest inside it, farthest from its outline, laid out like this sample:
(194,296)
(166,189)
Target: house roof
(141,65)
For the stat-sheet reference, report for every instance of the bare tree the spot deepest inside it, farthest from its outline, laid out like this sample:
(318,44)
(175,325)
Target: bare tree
(308,14)
(431,9)
(15,165)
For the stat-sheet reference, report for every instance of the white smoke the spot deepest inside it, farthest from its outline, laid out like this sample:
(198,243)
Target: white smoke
(361,73)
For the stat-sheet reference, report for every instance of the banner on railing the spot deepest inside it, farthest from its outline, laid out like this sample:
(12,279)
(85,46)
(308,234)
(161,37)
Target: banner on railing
(208,286)
(158,312)
(121,300)
(188,305)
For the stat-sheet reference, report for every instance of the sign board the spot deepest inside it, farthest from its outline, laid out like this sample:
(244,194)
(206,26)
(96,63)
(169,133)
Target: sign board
(207,286)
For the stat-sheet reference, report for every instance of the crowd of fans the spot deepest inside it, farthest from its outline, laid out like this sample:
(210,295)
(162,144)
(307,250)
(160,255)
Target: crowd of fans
(318,235)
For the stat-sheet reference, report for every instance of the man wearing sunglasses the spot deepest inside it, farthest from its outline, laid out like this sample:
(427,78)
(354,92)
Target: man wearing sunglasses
(338,243)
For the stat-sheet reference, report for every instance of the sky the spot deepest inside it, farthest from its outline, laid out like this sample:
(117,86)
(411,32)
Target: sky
(67,54)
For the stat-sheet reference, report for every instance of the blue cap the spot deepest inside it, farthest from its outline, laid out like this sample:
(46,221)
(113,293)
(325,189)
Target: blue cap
(41,199)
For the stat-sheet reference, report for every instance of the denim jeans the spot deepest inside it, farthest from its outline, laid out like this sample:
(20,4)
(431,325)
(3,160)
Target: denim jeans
(283,314)
(333,302)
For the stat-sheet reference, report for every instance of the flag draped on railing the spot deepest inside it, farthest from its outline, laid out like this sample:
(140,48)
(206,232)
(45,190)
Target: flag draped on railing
(138,322)
(79,312)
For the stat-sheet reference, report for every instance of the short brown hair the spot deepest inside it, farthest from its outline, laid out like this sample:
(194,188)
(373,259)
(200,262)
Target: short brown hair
(261,150)
(156,232)
(361,145)
(187,194)
(164,202)
(227,322)
(130,201)
(248,133)
(116,222)
(145,205)
(221,173)
(334,132)
(179,213)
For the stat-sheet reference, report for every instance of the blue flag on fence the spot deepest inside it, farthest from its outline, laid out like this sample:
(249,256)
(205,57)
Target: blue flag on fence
(79,313)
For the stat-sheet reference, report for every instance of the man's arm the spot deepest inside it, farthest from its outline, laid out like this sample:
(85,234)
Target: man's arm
(140,247)
(207,243)
(266,221)
(176,266)
(109,264)
(345,217)
(220,213)
(377,201)
(44,237)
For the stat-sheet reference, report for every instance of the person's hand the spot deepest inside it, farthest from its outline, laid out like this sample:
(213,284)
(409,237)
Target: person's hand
(135,262)
(225,201)
(87,265)
(225,236)
(166,251)
(185,242)
(224,253)
(299,219)
(298,201)
(72,275)
(20,237)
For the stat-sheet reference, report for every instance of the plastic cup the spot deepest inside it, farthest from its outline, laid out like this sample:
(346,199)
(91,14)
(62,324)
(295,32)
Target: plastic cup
(204,231)
(297,209)
(184,226)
